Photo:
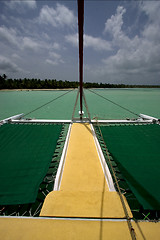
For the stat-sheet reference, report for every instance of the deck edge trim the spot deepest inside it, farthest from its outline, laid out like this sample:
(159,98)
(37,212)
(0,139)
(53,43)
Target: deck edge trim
(62,162)
(104,165)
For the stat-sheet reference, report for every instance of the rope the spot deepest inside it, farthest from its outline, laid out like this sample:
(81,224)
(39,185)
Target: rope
(113,102)
(132,231)
(75,104)
(85,102)
(47,103)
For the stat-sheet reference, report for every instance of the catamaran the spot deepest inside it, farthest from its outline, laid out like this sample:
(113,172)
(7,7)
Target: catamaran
(81,178)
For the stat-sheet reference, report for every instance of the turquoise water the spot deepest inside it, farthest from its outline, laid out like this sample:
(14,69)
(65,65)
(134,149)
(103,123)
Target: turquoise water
(15,102)
(144,101)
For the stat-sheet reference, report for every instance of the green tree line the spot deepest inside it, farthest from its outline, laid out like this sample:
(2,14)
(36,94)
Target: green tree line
(8,83)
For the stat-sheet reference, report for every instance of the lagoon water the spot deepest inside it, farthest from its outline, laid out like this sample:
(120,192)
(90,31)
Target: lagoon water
(140,100)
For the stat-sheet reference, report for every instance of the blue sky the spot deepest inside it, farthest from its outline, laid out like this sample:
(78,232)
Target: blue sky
(38,39)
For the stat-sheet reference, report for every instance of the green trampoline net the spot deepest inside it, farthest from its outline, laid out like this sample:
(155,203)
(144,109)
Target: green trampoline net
(26,152)
(136,150)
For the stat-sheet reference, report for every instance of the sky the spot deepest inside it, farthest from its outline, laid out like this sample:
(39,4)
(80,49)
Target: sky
(39,39)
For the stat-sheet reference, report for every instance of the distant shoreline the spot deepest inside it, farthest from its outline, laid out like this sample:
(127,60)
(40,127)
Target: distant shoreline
(53,84)
(29,90)
(67,89)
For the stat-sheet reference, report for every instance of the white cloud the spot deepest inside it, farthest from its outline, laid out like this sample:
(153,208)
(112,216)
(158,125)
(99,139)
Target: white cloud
(16,4)
(54,63)
(8,36)
(6,65)
(55,59)
(97,44)
(59,16)
(73,39)
(151,31)
(114,24)
(152,9)
(122,57)
(136,58)
(45,36)
(31,44)
(56,46)
(125,62)
(55,55)
(15,56)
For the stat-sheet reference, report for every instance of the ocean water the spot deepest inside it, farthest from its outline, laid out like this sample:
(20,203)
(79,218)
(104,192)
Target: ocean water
(144,101)
(15,102)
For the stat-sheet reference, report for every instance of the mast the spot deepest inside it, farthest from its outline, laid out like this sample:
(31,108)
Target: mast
(80,28)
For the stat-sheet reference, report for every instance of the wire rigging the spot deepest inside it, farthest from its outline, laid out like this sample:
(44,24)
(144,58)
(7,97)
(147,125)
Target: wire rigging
(85,102)
(130,226)
(47,103)
(114,102)
(75,105)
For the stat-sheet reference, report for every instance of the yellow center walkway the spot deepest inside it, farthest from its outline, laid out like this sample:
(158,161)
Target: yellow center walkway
(83,190)
(83,208)
(83,171)
(51,229)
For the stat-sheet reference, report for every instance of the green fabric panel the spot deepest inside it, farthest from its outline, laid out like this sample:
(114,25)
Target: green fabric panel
(25,155)
(136,149)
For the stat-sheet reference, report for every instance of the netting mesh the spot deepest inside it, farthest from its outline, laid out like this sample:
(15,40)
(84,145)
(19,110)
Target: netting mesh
(25,155)
(135,149)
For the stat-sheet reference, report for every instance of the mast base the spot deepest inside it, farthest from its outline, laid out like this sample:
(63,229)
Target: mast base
(81,114)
